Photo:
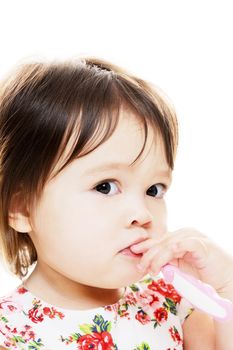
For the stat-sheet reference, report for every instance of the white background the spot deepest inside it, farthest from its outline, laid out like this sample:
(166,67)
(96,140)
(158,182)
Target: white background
(184,47)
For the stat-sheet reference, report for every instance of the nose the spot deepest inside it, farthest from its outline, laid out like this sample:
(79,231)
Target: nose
(140,216)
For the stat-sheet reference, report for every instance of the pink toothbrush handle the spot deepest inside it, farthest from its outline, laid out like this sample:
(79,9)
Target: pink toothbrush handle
(169,271)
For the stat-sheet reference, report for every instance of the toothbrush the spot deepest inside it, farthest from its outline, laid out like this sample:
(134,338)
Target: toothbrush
(201,295)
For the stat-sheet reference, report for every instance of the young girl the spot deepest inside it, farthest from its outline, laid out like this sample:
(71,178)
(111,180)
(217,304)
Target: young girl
(87,154)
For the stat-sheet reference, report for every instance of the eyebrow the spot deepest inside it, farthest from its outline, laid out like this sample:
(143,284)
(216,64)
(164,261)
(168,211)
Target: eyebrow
(117,166)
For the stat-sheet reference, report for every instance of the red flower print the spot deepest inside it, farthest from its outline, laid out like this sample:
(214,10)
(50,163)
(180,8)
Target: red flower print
(21,290)
(147,300)
(25,333)
(108,308)
(161,314)
(7,344)
(33,315)
(12,307)
(9,305)
(31,335)
(51,312)
(124,313)
(47,310)
(142,317)
(130,299)
(96,341)
(119,310)
(175,335)
(165,289)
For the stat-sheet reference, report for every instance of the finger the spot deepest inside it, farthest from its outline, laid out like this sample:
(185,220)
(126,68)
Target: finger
(195,248)
(188,231)
(179,235)
(146,259)
(158,248)
(198,250)
(168,251)
(167,239)
(161,254)
(143,246)
(169,256)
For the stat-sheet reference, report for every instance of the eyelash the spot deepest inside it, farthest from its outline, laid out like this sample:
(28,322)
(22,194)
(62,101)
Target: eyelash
(113,180)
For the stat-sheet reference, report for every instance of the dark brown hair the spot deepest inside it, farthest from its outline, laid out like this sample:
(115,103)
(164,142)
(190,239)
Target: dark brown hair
(42,104)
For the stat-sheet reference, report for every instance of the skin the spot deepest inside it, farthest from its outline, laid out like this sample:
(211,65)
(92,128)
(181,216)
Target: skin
(79,231)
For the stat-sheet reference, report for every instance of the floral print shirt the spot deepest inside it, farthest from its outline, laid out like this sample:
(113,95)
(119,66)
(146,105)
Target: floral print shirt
(149,316)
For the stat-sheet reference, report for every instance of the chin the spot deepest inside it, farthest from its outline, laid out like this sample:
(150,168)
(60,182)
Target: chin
(130,278)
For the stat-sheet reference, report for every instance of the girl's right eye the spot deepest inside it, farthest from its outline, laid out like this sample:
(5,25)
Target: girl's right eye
(106,186)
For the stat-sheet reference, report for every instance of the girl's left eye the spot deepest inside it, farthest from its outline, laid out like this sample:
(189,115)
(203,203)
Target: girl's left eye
(106,186)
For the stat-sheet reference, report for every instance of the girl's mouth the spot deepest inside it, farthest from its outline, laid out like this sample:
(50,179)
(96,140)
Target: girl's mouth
(127,251)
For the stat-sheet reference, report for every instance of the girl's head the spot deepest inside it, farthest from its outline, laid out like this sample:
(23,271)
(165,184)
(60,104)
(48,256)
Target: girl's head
(59,122)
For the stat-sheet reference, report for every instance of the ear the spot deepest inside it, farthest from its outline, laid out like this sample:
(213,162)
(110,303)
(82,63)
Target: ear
(19,214)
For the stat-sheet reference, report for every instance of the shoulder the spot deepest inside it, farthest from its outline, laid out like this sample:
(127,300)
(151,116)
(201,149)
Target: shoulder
(198,332)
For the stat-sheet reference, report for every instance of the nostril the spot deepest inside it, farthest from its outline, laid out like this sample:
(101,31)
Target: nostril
(135,222)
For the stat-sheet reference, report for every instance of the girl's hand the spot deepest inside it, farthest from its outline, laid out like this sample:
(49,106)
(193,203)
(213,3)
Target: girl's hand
(191,251)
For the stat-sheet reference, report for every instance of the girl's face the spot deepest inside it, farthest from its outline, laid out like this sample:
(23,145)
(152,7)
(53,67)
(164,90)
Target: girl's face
(93,209)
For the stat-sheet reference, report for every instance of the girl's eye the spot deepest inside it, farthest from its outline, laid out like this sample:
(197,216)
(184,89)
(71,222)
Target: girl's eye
(105,187)
(156,191)
(110,187)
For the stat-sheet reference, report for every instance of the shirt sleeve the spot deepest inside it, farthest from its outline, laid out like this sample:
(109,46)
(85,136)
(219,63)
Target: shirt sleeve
(184,310)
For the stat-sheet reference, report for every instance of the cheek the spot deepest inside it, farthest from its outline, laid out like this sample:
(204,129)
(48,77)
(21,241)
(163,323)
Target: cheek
(160,219)
(72,228)
(70,250)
